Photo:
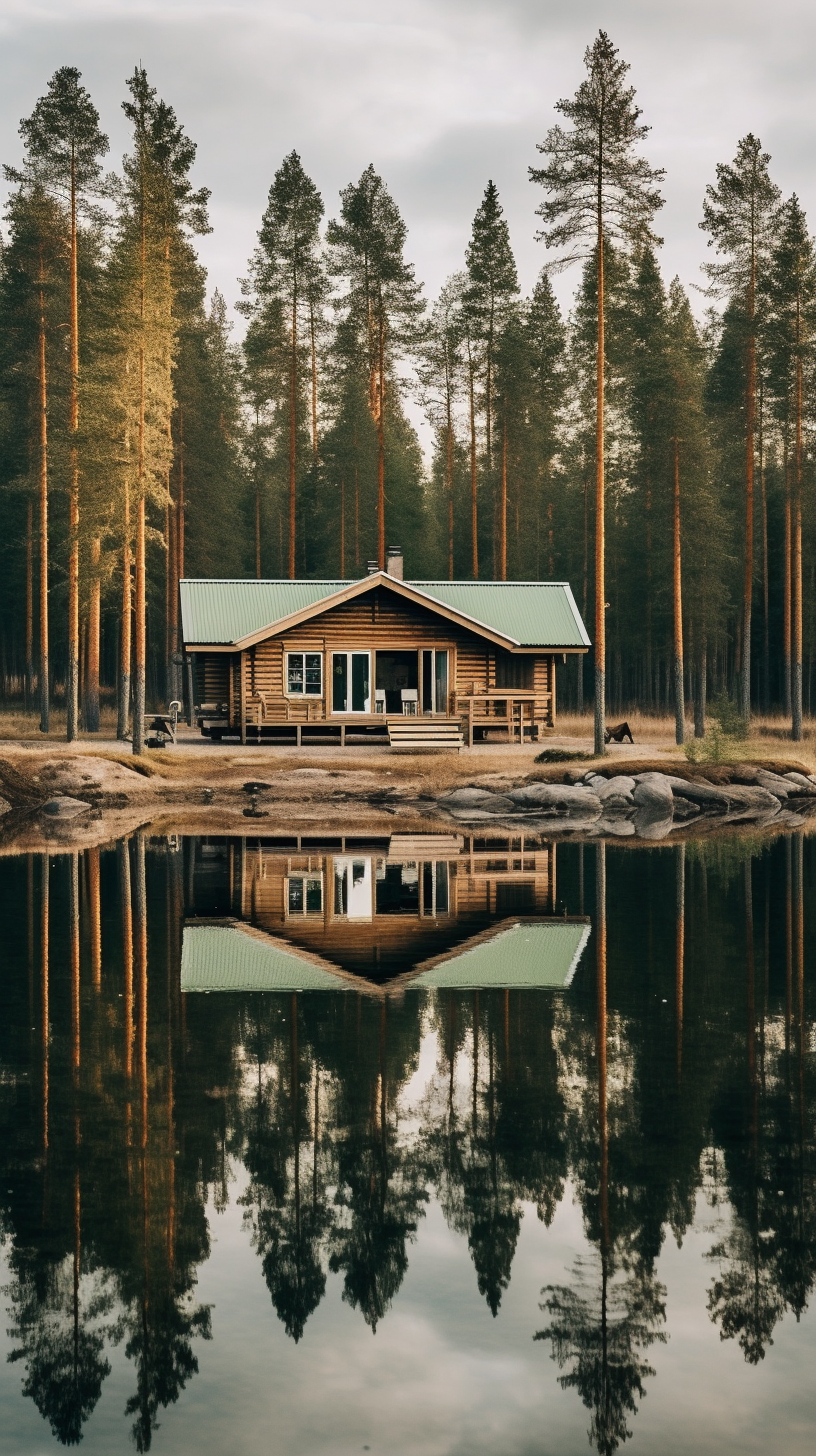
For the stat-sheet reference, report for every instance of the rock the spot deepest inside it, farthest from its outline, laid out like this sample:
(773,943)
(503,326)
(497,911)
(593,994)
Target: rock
(64,808)
(4,806)
(618,827)
(498,804)
(804,783)
(566,799)
(684,809)
(620,787)
(650,825)
(653,792)
(467,798)
(775,784)
(706,795)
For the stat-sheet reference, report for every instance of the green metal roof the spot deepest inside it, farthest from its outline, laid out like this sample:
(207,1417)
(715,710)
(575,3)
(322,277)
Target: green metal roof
(226,611)
(229,958)
(523,955)
(527,613)
(533,613)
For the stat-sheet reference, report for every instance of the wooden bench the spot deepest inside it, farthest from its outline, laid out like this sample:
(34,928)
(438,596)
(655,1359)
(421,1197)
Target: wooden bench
(424,733)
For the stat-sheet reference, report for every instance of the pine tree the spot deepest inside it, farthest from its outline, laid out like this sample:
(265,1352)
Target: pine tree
(158,205)
(739,213)
(382,301)
(33,302)
(492,283)
(442,375)
(791,293)
(286,289)
(599,190)
(63,149)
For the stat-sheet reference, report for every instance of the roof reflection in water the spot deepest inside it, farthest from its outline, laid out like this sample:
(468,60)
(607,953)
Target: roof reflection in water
(432,910)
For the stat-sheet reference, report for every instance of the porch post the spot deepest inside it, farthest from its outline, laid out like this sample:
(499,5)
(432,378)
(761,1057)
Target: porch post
(242,698)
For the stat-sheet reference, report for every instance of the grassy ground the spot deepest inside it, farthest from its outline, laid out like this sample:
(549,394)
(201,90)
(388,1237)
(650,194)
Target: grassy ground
(197,760)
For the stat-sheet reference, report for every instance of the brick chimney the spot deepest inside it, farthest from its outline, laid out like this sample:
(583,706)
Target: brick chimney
(393,562)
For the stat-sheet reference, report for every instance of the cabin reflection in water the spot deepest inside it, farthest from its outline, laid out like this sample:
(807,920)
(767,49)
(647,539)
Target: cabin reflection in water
(376,908)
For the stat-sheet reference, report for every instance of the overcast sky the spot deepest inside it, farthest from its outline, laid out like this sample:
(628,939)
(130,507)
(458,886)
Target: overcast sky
(439,94)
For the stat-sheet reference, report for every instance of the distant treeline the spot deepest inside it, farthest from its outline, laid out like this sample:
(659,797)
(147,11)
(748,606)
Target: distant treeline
(663,468)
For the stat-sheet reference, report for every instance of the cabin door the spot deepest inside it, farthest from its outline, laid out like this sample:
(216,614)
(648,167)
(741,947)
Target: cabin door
(434,680)
(351,682)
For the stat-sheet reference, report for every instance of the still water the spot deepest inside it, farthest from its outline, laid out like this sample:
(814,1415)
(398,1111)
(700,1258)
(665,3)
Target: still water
(418,1146)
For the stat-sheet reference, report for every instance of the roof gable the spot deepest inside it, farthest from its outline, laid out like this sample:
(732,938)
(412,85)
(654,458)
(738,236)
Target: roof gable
(240,613)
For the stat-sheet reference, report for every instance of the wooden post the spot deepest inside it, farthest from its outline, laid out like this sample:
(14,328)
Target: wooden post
(242,697)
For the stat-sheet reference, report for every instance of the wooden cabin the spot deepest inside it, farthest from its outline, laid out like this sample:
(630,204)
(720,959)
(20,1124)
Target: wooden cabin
(306,661)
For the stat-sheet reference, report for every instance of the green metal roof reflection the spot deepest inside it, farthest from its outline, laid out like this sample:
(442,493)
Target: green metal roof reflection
(524,955)
(237,958)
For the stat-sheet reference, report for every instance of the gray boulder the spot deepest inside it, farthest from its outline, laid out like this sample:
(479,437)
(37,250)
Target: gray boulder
(620,784)
(467,798)
(649,824)
(64,807)
(563,799)
(775,784)
(804,783)
(653,792)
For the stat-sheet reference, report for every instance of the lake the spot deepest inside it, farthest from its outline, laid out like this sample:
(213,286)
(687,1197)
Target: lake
(422,1144)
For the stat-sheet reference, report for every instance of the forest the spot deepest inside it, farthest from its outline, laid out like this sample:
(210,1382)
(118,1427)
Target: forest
(651,444)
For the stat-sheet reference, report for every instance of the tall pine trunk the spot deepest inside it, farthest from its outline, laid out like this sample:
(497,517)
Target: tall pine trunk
(796,685)
(125,636)
(677,602)
(766,620)
(29,626)
(141,601)
(600,563)
(474,504)
(312,333)
(748,578)
(292,434)
(787,593)
(72,686)
(700,696)
(503,507)
(94,623)
(381,441)
(449,484)
(45,697)
(342,527)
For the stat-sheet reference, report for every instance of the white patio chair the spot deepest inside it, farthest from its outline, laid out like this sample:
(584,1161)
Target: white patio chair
(410,702)
(379,700)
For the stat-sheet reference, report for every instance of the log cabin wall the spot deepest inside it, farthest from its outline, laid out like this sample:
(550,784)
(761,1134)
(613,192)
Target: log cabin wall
(379,621)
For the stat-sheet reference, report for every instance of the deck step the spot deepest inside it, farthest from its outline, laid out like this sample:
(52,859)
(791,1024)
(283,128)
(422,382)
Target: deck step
(415,732)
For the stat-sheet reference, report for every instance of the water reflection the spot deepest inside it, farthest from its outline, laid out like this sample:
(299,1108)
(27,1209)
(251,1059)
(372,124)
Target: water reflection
(664,1078)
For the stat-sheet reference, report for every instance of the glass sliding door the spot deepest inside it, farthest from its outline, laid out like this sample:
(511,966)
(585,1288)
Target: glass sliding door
(434,680)
(351,682)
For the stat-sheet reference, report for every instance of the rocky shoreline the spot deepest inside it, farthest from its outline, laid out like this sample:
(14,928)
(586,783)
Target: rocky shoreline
(81,800)
(647,805)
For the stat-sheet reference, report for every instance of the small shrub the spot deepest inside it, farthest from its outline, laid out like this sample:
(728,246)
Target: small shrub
(560,755)
(725,735)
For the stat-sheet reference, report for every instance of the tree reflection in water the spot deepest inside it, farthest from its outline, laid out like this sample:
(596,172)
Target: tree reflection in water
(680,1066)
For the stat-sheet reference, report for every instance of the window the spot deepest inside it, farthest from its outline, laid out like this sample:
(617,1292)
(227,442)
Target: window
(304,895)
(304,673)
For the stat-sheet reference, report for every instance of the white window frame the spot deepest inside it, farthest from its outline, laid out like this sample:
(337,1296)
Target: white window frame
(302,652)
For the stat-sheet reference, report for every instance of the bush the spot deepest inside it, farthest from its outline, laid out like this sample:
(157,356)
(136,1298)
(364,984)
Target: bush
(725,735)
